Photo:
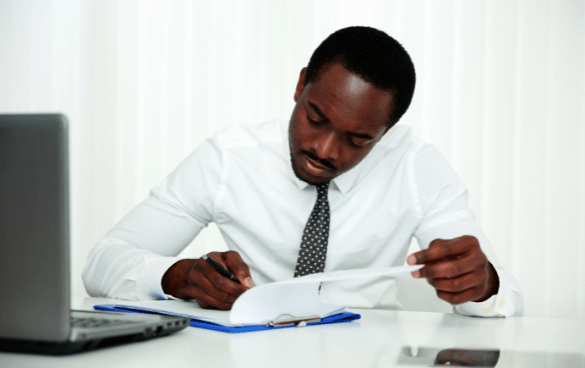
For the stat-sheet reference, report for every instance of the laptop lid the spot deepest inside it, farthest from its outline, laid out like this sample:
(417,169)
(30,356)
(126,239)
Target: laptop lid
(34,227)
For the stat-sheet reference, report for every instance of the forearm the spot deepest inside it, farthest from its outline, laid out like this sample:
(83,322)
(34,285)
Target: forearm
(120,270)
(133,257)
(139,248)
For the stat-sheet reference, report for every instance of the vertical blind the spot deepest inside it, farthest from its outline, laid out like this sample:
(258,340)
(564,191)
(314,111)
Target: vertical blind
(500,91)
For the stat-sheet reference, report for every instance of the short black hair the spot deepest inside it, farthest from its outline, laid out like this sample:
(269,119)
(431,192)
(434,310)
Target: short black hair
(372,55)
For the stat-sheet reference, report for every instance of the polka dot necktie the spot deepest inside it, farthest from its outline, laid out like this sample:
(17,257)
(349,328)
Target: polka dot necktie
(314,243)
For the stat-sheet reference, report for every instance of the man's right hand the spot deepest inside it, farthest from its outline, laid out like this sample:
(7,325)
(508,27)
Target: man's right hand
(195,279)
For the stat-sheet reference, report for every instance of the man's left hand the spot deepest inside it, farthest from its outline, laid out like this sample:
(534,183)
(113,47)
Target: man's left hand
(458,269)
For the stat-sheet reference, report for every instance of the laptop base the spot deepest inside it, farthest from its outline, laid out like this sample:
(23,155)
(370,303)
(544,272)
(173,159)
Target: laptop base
(71,347)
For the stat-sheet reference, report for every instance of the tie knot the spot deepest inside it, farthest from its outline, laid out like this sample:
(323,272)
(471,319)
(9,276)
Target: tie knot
(322,189)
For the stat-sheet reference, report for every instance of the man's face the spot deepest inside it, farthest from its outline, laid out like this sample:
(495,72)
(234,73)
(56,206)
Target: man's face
(336,121)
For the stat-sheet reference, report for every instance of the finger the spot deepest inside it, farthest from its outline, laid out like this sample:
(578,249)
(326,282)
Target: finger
(440,248)
(206,301)
(209,301)
(461,283)
(238,268)
(213,282)
(191,295)
(205,286)
(218,256)
(203,305)
(234,264)
(222,283)
(454,267)
(232,261)
(461,297)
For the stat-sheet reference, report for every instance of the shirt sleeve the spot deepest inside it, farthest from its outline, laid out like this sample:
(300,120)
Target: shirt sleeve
(441,202)
(130,261)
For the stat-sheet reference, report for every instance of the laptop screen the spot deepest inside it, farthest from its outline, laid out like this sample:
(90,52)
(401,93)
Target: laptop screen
(34,227)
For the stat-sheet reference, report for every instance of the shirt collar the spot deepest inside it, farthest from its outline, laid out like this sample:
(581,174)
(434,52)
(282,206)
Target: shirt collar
(345,181)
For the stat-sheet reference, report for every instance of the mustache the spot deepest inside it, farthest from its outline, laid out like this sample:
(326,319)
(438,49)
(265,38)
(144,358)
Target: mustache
(323,162)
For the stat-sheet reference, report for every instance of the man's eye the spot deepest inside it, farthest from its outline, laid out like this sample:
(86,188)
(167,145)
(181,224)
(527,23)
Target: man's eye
(355,144)
(313,122)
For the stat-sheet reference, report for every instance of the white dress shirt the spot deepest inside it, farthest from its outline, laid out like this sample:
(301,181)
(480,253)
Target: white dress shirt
(242,180)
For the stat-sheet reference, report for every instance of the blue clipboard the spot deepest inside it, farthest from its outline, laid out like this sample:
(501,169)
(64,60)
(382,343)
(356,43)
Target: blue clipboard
(336,318)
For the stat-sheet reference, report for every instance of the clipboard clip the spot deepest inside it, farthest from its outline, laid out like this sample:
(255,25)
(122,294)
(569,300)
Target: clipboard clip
(288,320)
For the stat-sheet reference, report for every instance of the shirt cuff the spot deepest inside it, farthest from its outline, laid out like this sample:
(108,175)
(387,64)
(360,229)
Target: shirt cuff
(499,305)
(149,279)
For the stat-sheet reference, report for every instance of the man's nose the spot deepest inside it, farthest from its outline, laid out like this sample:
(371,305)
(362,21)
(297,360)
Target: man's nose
(327,147)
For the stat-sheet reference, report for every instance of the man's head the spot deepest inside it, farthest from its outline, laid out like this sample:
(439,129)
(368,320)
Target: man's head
(358,84)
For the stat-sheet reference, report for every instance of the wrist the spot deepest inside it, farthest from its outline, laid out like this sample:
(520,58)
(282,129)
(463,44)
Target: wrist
(493,284)
(175,277)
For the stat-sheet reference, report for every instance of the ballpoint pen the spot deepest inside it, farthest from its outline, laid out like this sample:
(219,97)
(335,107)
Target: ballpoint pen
(219,268)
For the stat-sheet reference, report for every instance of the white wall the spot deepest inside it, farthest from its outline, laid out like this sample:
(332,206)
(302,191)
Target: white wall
(501,92)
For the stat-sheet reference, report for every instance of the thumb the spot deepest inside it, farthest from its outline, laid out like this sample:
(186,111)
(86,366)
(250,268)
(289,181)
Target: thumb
(238,268)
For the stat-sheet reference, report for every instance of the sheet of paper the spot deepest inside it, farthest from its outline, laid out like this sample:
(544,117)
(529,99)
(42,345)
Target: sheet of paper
(353,274)
(265,303)
(181,308)
(299,297)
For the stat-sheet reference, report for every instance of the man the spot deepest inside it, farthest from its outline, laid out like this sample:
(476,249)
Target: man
(339,187)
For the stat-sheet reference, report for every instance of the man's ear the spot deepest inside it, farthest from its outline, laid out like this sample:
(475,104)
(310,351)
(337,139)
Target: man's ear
(300,84)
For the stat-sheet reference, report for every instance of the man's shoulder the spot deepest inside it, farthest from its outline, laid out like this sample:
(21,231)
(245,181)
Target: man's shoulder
(401,147)
(400,138)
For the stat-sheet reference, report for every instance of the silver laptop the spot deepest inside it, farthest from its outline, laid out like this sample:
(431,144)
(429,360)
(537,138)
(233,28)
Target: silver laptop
(35,313)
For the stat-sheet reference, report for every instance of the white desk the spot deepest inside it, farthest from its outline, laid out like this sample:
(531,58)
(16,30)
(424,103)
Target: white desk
(375,340)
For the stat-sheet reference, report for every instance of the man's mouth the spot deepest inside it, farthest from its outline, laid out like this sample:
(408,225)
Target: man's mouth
(314,167)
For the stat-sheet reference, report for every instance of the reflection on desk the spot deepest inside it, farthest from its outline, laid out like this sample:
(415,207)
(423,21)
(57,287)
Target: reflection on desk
(457,357)
(376,340)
